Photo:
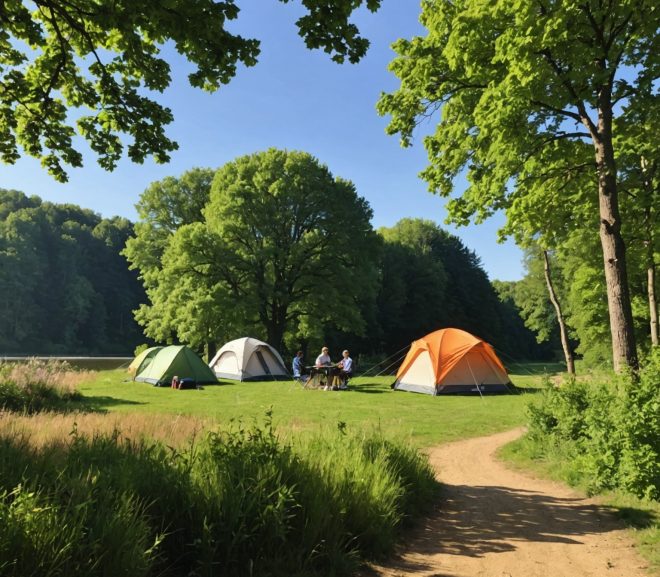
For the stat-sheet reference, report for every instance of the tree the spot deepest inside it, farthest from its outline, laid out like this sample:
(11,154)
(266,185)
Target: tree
(520,340)
(563,331)
(64,288)
(284,248)
(639,151)
(413,290)
(184,304)
(163,208)
(524,80)
(99,58)
(431,280)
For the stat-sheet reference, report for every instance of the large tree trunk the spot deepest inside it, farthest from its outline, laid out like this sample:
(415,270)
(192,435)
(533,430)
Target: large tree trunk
(568,355)
(624,352)
(211,348)
(276,326)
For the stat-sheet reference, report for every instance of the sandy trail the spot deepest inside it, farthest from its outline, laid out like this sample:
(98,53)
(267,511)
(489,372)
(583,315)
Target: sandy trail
(495,522)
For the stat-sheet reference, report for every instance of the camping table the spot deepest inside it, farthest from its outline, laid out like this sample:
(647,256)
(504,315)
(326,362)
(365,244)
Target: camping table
(318,374)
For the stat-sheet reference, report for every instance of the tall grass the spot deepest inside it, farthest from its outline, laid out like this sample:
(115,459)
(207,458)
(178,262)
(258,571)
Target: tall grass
(37,385)
(240,501)
(48,427)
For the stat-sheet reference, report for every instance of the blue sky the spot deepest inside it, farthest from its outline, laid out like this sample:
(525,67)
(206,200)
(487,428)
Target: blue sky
(293,98)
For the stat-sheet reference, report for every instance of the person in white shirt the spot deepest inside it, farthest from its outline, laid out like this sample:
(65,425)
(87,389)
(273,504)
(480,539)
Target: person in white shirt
(323,360)
(346,366)
(324,363)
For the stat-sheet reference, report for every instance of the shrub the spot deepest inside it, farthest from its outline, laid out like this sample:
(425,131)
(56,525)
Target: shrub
(140,348)
(611,430)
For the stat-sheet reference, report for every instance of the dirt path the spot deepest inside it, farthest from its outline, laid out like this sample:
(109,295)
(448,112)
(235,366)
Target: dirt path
(495,522)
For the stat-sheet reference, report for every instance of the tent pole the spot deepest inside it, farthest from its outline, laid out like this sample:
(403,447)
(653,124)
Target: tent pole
(474,379)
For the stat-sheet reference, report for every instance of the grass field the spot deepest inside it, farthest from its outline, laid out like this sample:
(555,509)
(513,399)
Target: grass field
(112,402)
(369,403)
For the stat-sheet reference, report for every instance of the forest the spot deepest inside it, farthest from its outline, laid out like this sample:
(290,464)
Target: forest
(258,248)
(67,288)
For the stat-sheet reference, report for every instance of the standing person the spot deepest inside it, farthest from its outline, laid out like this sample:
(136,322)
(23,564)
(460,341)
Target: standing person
(298,366)
(346,366)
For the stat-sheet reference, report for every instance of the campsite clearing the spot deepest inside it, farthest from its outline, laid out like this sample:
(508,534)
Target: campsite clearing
(369,403)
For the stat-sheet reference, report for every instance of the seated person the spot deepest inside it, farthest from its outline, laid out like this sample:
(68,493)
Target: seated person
(298,367)
(323,360)
(176,382)
(346,368)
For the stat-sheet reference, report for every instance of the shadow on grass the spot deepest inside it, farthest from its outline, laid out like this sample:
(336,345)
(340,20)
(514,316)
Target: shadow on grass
(99,404)
(525,390)
(369,388)
(636,517)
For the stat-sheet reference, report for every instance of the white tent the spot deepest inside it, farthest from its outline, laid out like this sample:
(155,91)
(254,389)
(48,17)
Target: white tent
(248,359)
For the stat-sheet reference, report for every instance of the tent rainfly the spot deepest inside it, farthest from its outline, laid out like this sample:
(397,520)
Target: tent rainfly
(143,358)
(174,360)
(451,361)
(249,359)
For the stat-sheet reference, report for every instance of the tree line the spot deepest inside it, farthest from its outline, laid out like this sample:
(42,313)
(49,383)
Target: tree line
(271,245)
(64,286)
(274,246)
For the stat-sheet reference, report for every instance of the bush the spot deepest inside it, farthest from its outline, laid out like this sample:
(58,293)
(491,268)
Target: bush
(610,430)
(140,348)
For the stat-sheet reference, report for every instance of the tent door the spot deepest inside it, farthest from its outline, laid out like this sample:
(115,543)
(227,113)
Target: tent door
(264,364)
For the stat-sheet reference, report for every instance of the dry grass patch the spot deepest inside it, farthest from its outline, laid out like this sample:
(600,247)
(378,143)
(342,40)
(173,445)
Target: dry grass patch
(45,428)
(57,375)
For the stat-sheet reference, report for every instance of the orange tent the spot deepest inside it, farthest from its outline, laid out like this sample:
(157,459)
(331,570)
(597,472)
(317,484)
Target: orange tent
(451,361)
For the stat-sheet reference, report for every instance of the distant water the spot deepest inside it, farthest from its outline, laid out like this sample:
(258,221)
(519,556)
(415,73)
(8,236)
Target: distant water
(88,363)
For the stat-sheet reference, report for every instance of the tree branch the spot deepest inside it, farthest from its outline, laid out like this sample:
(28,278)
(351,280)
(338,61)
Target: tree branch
(574,115)
(583,116)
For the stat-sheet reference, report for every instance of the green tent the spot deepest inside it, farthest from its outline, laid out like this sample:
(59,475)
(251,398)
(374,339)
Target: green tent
(142,360)
(175,360)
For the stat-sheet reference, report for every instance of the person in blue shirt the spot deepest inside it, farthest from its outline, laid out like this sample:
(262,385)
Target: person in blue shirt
(298,366)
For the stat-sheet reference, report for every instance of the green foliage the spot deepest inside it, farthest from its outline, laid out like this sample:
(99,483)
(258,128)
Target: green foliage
(526,94)
(240,502)
(184,305)
(64,288)
(42,534)
(282,247)
(508,75)
(532,299)
(102,57)
(140,348)
(521,341)
(610,430)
